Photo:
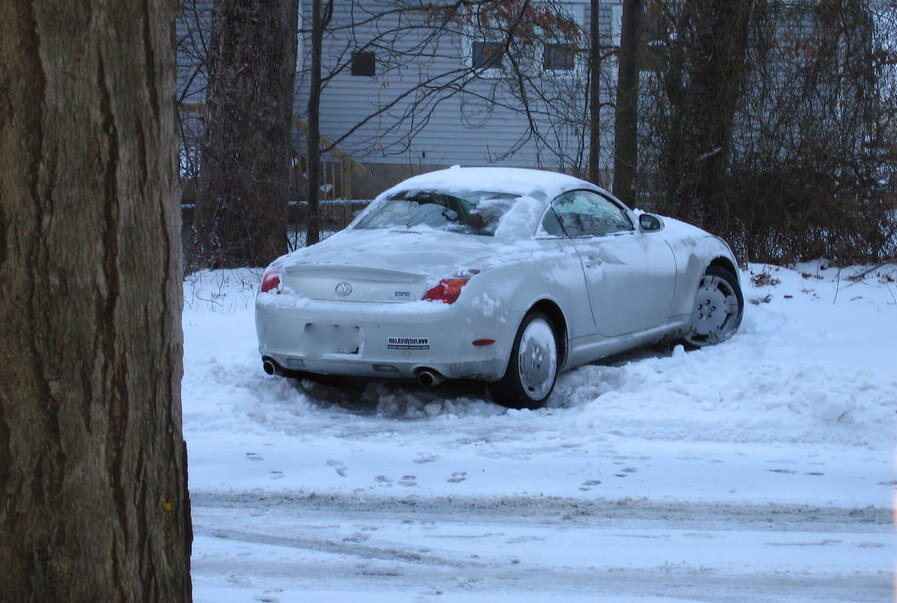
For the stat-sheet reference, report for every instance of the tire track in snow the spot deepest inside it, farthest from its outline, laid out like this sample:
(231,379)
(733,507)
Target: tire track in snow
(551,509)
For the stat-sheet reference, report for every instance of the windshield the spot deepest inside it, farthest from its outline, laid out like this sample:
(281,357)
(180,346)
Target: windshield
(476,213)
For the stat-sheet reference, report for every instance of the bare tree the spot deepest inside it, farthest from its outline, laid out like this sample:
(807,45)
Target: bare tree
(626,122)
(717,71)
(802,168)
(93,485)
(241,212)
(320,19)
(539,50)
(594,93)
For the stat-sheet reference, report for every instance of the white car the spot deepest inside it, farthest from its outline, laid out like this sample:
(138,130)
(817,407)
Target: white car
(501,275)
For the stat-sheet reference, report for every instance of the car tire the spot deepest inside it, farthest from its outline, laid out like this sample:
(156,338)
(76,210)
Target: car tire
(718,308)
(533,366)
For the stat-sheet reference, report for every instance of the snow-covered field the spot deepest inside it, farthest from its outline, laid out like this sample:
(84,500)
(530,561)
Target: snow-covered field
(763,468)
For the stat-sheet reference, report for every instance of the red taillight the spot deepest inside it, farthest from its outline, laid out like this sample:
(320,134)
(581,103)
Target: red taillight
(447,291)
(271,280)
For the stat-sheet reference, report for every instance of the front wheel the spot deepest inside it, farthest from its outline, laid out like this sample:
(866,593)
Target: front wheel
(533,366)
(719,306)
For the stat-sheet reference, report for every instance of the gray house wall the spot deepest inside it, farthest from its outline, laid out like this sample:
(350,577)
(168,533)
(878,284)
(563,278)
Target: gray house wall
(483,124)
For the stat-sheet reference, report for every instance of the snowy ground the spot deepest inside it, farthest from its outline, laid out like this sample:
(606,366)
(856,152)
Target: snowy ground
(762,468)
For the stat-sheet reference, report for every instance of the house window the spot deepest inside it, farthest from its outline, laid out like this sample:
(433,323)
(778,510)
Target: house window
(364,63)
(558,57)
(487,55)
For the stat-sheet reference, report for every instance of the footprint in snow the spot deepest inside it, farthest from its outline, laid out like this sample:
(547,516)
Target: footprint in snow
(457,477)
(587,485)
(408,480)
(277,475)
(338,467)
(426,458)
(383,479)
(251,456)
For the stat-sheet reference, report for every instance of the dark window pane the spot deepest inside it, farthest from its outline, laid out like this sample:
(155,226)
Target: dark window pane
(363,63)
(551,225)
(558,57)
(487,55)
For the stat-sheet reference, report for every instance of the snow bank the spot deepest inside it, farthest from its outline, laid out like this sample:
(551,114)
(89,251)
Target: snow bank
(813,363)
(762,466)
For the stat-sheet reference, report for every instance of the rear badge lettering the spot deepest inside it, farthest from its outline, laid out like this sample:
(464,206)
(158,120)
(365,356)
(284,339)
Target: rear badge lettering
(403,294)
(409,343)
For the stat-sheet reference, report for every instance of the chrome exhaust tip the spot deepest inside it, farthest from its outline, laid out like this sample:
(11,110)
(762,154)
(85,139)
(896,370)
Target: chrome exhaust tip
(429,378)
(269,367)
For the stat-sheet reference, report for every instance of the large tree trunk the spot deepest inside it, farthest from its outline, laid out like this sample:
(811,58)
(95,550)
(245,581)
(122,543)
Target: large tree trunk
(241,214)
(626,123)
(674,89)
(715,69)
(594,171)
(93,497)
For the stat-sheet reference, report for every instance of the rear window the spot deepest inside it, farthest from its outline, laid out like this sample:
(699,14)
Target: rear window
(476,213)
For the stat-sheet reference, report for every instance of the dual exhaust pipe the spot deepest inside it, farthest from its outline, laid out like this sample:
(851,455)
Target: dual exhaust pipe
(426,377)
(270,367)
(429,377)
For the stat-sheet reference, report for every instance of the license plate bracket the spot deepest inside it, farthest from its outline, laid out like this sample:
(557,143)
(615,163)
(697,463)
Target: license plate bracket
(334,339)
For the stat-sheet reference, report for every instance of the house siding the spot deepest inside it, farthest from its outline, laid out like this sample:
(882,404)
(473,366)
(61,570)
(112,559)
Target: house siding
(484,125)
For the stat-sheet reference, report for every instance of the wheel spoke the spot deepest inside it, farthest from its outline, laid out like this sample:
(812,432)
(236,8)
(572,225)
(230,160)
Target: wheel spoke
(731,304)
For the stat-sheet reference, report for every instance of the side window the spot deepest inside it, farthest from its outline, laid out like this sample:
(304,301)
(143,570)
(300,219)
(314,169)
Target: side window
(551,225)
(588,214)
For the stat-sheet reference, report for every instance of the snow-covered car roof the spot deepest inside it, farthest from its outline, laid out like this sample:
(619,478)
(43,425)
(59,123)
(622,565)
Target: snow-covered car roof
(519,181)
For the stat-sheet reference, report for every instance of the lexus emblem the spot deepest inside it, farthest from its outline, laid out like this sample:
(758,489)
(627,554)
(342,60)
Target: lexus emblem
(343,289)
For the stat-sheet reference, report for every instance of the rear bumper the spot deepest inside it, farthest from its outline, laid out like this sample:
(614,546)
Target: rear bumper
(394,340)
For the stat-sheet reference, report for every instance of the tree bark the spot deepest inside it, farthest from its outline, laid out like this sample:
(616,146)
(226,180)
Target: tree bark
(93,492)
(594,171)
(715,69)
(320,19)
(313,137)
(241,213)
(626,123)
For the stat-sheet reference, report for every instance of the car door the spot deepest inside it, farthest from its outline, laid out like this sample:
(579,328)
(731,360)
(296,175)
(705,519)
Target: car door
(630,275)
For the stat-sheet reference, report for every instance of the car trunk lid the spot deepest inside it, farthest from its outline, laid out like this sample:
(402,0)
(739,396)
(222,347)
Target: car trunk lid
(383,265)
(355,283)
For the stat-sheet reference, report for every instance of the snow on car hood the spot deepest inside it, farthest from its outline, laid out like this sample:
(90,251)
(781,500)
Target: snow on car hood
(684,236)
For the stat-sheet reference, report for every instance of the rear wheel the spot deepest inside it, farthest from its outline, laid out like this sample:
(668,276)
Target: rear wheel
(719,306)
(533,366)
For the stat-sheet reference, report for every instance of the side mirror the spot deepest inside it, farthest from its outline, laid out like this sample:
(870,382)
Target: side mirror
(650,222)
